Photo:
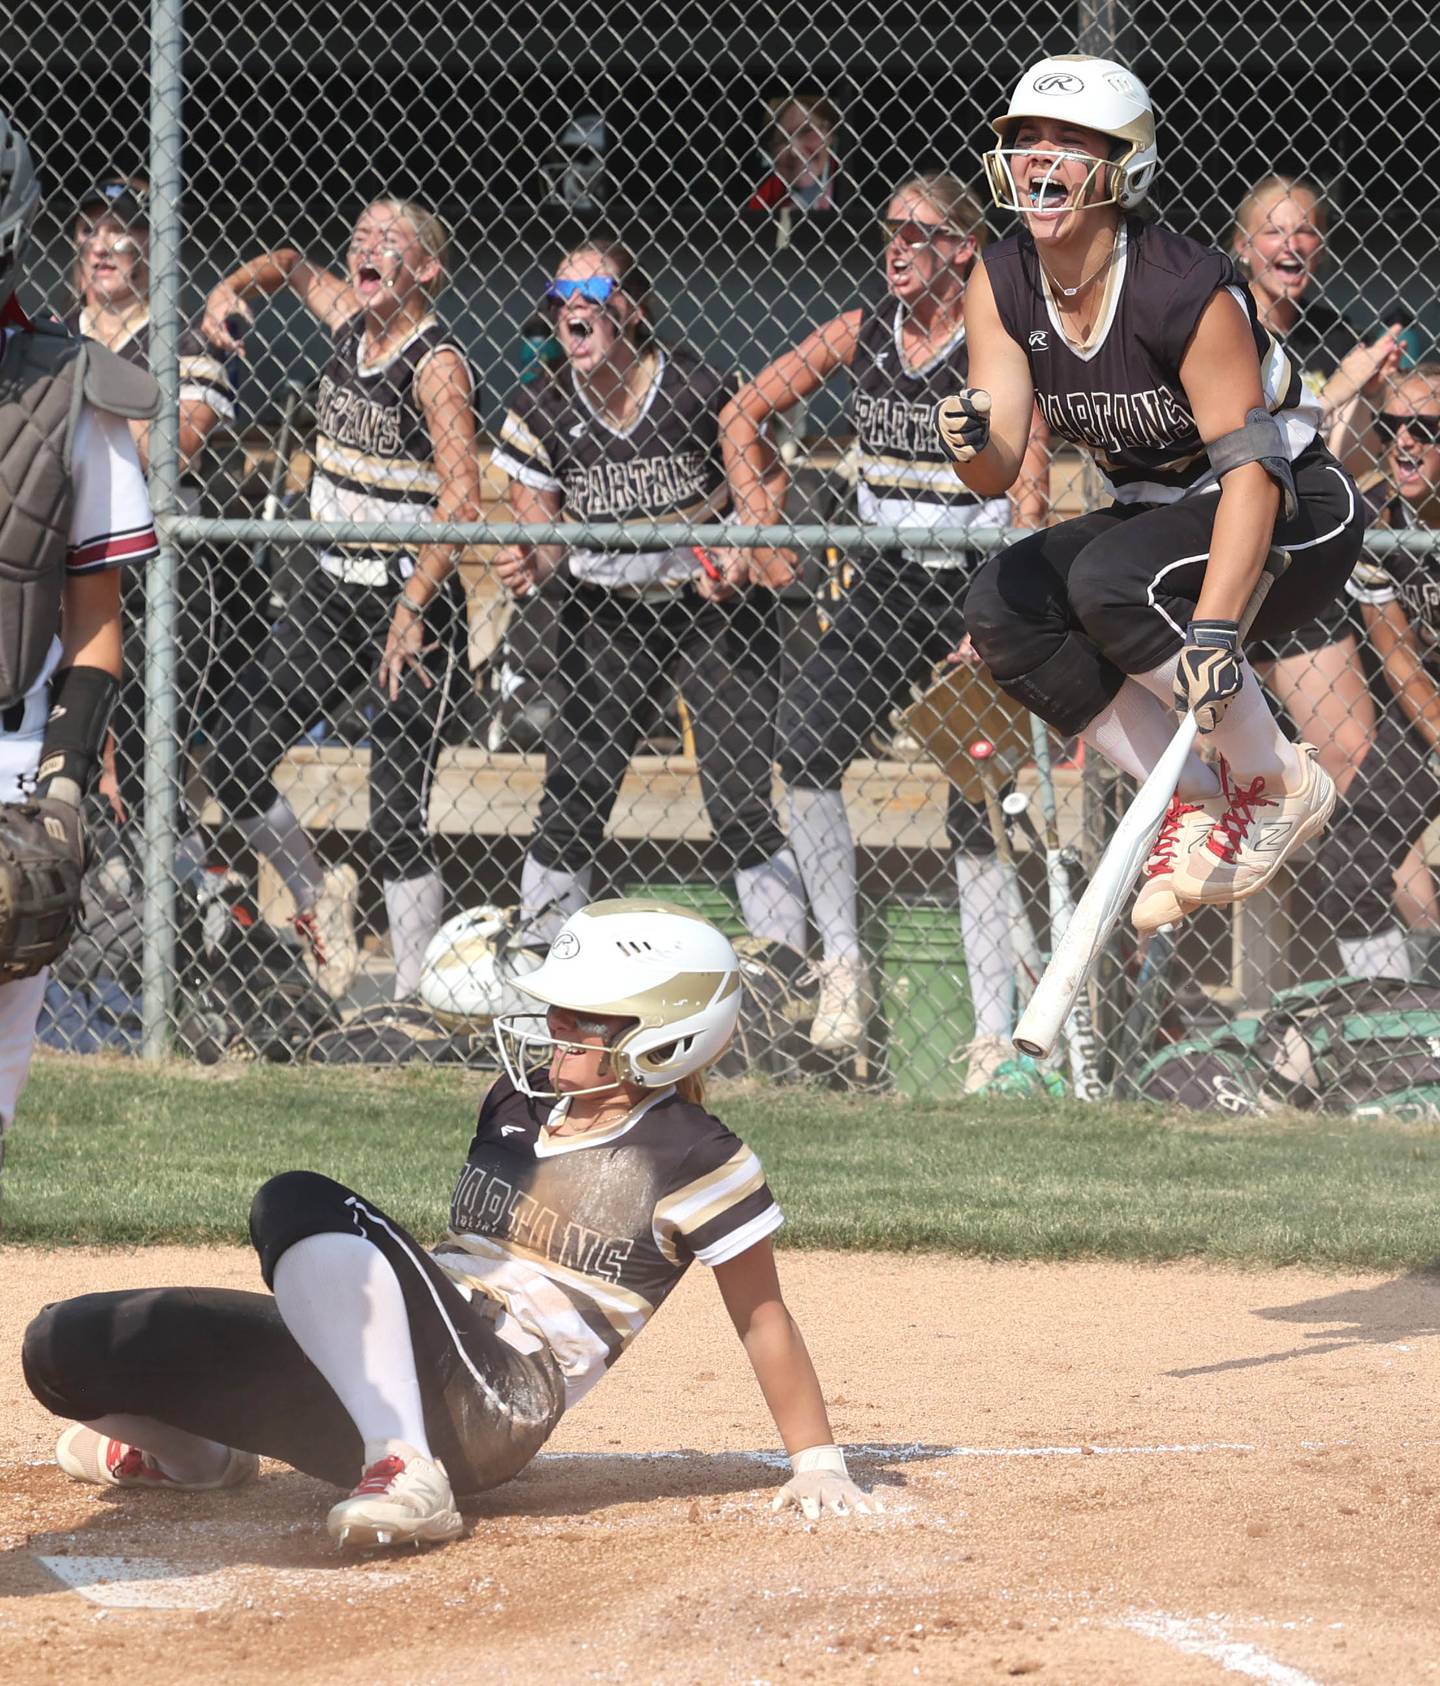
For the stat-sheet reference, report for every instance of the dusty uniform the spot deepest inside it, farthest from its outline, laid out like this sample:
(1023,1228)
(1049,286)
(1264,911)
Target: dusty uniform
(632,626)
(903,610)
(560,1251)
(1395,792)
(110,527)
(374,461)
(1062,616)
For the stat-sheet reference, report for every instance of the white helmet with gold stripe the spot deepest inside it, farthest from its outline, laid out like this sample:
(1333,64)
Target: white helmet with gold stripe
(667,969)
(1092,93)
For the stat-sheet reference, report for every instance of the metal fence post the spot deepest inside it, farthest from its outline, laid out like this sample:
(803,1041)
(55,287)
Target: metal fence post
(162,752)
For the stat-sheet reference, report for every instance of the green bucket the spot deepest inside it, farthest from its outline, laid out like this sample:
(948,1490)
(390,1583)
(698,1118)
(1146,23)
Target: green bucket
(925,996)
(708,900)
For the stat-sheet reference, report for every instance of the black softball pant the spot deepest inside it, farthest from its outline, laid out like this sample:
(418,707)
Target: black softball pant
(1392,799)
(619,658)
(1061,617)
(897,619)
(323,653)
(222,1364)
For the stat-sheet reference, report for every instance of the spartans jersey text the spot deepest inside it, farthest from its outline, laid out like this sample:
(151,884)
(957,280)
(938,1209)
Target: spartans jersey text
(352,418)
(484,1203)
(615,488)
(1118,421)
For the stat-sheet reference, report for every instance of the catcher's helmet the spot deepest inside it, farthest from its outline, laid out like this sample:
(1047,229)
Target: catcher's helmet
(1095,94)
(19,200)
(667,969)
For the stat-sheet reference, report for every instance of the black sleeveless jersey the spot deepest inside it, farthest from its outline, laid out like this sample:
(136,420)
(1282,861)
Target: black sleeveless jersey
(1412,581)
(665,466)
(1120,398)
(374,458)
(900,461)
(582,1238)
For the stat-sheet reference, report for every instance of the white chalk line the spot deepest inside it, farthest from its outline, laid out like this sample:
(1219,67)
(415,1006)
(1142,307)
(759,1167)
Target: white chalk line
(915,1453)
(1208,1639)
(153,1583)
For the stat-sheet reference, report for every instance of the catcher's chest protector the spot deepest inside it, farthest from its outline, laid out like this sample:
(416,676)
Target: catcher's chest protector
(46,374)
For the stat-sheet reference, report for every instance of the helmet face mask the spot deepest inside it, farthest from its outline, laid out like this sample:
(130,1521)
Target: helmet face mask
(669,972)
(525,1042)
(1088,93)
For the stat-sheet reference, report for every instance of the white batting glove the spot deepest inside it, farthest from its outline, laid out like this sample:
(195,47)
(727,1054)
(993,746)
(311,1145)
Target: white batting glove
(963,422)
(820,1483)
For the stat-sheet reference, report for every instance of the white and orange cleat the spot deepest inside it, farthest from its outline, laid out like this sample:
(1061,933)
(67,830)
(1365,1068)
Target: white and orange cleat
(403,1499)
(1262,827)
(85,1455)
(1185,827)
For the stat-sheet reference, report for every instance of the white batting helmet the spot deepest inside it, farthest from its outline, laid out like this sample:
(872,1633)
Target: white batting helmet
(471,966)
(1095,94)
(667,969)
(19,200)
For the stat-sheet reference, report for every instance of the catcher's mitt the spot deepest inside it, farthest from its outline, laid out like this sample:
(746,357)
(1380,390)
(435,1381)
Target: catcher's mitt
(42,866)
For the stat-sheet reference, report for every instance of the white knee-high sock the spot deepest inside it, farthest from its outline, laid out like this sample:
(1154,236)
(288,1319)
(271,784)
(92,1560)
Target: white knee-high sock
(989,906)
(1249,736)
(279,836)
(182,1455)
(825,852)
(772,898)
(415,908)
(1133,730)
(342,1302)
(548,896)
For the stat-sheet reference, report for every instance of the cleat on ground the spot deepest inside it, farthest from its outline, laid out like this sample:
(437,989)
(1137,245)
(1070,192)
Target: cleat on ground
(402,1498)
(85,1455)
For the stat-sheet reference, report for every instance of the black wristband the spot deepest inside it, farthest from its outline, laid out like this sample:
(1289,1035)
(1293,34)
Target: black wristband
(81,699)
(1214,635)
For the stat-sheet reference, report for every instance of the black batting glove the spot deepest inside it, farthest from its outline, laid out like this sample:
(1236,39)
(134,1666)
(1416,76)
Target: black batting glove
(1209,674)
(963,422)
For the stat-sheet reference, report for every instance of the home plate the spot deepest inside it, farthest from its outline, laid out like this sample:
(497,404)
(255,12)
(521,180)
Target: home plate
(138,1583)
(150,1583)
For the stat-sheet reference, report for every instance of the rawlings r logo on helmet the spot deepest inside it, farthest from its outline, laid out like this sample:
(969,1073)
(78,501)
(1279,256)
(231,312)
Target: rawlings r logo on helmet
(1058,82)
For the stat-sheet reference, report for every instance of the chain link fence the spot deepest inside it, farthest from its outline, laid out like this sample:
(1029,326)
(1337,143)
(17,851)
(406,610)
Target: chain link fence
(336,235)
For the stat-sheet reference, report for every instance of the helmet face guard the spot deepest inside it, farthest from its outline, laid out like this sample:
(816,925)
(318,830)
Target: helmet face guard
(524,1040)
(19,201)
(1005,190)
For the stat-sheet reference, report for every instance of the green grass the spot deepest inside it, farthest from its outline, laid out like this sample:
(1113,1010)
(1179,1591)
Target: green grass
(119,1153)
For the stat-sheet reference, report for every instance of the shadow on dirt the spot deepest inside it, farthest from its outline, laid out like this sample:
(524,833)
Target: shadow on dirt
(1405,1309)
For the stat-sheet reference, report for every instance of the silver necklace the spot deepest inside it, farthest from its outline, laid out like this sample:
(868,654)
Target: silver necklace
(1080,286)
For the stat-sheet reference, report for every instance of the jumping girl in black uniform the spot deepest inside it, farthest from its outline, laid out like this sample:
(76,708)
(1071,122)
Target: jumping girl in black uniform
(395,428)
(903,613)
(1143,347)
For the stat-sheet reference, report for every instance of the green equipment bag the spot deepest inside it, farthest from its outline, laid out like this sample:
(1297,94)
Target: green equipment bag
(1368,1047)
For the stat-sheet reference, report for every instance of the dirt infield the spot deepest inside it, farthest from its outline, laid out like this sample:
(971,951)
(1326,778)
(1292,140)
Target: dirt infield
(1092,1473)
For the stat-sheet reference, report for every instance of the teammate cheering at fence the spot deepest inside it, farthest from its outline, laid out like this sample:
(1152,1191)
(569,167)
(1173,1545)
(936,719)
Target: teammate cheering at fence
(395,426)
(628,429)
(903,612)
(1143,347)
(1374,848)
(594,1180)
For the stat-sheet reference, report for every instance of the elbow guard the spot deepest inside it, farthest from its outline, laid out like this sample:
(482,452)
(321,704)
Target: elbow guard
(1259,440)
(80,702)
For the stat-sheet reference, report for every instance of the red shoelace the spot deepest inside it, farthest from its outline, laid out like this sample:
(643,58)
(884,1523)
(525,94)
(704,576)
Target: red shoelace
(308,927)
(131,1465)
(379,1476)
(1161,858)
(1228,832)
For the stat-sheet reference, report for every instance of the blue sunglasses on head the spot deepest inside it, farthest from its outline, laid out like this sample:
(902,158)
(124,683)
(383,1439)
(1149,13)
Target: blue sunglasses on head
(597,289)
